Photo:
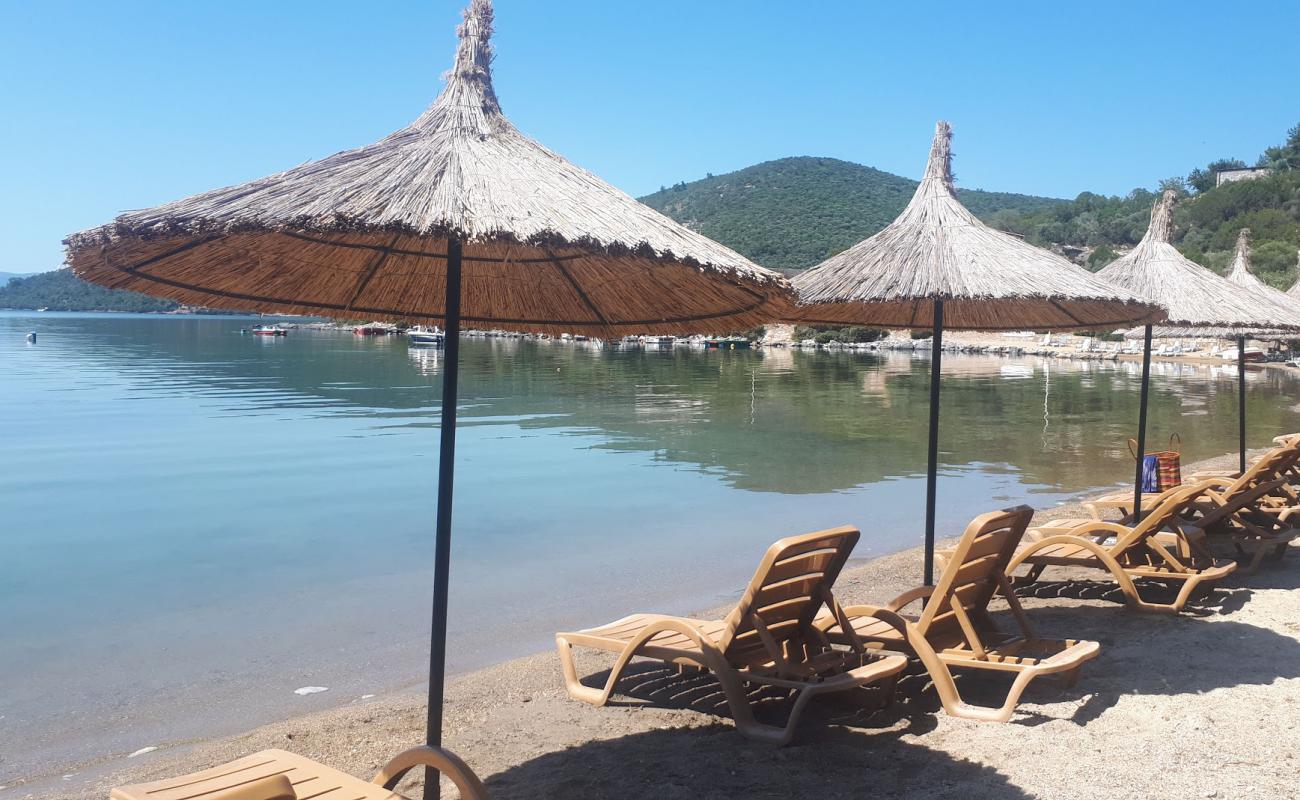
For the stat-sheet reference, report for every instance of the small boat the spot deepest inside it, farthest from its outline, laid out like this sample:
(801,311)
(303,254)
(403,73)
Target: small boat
(727,344)
(374,329)
(270,330)
(426,335)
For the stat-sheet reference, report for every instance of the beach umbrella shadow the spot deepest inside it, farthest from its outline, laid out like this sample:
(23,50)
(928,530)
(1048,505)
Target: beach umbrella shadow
(713,762)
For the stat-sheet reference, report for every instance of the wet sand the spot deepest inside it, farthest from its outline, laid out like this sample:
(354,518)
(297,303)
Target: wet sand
(1200,705)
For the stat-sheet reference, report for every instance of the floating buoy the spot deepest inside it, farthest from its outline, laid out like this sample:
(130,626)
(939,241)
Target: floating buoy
(31,337)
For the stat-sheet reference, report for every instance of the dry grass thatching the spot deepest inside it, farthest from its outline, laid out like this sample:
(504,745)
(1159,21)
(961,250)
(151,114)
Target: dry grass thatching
(547,245)
(988,280)
(1200,302)
(1294,291)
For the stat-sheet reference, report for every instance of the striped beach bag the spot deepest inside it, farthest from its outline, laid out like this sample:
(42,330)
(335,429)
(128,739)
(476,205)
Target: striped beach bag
(1163,469)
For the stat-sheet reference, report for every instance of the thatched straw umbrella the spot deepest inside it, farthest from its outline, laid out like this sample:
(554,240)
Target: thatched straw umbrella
(456,218)
(938,267)
(1199,302)
(1294,291)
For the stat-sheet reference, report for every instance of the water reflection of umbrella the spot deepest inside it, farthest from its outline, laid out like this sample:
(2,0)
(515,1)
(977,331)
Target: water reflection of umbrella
(1199,303)
(938,267)
(457,217)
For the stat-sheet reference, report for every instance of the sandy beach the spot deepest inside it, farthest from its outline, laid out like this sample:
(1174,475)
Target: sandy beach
(1199,705)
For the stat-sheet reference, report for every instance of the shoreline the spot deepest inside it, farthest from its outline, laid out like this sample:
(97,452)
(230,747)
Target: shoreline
(510,717)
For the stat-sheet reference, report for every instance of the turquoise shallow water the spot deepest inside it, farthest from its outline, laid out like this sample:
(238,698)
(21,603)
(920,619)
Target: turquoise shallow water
(195,523)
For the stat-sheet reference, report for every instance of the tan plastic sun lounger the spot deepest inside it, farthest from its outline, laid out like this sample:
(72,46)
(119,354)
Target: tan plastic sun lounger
(1164,548)
(768,639)
(278,775)
(955,631)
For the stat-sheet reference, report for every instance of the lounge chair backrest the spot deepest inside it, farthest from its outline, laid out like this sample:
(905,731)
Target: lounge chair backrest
(975,570)
(1270,467)
(792,584)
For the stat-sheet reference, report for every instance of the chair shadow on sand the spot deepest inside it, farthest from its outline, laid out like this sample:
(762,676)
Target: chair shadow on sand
(714,762)
(1202,649)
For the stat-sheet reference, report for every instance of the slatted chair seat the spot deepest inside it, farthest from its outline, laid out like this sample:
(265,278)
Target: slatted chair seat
(769,638)
(955,630)
(280,775)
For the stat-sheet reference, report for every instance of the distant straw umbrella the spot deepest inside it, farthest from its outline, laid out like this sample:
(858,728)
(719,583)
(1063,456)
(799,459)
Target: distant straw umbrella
(1199,303)
(456,218)
(1294,291)
(938,267)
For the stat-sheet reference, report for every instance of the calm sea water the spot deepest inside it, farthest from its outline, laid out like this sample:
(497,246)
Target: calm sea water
(195,523)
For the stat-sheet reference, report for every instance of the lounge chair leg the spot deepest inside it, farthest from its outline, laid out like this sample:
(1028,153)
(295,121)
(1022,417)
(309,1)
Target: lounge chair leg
(576,689)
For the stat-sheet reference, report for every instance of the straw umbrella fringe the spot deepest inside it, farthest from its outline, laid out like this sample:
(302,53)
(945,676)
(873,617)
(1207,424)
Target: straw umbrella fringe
(455,217)
(548,246)
(1199,302)
(937,266)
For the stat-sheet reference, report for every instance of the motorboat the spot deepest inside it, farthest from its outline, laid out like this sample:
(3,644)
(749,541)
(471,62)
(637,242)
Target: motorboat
(270,330)
(429,335)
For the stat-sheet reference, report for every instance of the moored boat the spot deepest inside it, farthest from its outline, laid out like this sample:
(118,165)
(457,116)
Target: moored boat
(426,335)
(270,330)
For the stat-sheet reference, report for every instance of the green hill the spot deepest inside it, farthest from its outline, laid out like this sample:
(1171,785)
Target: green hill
(795,212)
(1206,222)
(62,291)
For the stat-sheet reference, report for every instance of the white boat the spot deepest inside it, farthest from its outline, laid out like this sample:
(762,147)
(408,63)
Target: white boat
(426,335)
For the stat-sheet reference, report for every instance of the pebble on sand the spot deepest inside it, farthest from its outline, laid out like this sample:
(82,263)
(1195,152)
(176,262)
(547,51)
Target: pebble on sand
(306,690)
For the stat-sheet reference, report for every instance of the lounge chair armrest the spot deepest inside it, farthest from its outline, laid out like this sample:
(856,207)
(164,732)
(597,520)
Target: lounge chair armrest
(444,761)
(1070,656)
(907,598)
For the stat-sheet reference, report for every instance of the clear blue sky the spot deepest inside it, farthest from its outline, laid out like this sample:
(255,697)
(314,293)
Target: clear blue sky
(106,106)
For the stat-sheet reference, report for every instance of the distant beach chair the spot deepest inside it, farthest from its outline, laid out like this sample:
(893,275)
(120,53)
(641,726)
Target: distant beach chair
(768,639)
(955,630)
(278,775)
(1164,548)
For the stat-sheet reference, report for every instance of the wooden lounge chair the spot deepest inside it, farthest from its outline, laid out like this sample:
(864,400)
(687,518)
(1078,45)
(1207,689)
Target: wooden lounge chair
(1164,548)
(768,639)
(278,775)
(955,630)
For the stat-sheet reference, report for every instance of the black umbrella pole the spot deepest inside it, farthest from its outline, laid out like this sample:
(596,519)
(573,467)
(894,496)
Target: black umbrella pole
(446,473)
(932,466)
(1241,400)
(1142,425)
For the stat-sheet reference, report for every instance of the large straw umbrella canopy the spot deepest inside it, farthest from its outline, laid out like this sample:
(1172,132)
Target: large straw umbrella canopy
(938,267)
(457,216)
(987,280)
(547,246)
(1199,302)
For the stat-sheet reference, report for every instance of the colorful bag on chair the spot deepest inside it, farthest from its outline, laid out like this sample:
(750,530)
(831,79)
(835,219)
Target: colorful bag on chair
(1160,470)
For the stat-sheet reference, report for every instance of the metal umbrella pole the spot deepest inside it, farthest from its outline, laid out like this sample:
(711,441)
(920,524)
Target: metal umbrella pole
(1241,400)
(932,468)
(1142,426)
(446,475)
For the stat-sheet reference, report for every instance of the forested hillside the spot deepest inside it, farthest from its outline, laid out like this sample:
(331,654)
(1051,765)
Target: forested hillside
(795,212)
(62,291)
(1207,220)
